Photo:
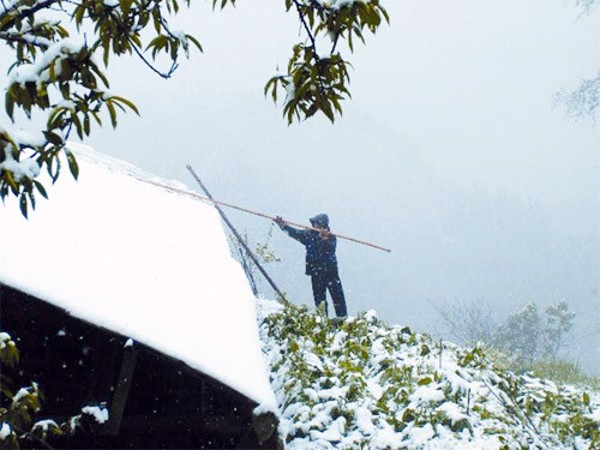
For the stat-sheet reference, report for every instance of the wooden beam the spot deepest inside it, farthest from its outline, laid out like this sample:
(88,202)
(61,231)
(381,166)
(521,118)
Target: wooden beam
(119,400)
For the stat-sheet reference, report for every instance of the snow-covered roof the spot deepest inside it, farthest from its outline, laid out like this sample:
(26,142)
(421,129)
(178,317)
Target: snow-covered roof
(135,254)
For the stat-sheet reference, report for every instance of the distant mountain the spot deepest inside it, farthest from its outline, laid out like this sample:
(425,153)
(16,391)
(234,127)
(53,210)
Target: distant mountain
(361,384)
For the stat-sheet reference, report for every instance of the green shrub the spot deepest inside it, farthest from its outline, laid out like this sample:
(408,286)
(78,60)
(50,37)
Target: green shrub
(563,371)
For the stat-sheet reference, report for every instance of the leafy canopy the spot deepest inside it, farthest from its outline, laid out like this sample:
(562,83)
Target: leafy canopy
(62,47)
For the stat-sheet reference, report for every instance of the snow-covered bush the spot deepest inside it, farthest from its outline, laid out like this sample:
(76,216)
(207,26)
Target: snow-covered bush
(18,410)
(362,384)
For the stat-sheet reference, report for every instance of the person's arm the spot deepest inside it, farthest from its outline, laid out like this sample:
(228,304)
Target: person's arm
(294,233)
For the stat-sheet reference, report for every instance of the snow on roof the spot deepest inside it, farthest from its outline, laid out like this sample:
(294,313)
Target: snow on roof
(135,254)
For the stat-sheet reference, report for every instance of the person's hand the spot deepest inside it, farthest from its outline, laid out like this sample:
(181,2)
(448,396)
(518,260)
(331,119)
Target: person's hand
(278,220)
(324,233)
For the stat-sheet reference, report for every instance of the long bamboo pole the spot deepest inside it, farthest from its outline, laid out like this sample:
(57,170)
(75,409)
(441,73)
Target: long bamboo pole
(237,235)
(259,214)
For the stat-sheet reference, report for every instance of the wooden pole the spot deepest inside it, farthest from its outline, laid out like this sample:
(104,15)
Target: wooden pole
(117,407)
(259,214)
(237,235)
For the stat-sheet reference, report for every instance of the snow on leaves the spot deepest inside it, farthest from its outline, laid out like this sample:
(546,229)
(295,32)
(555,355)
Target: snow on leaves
(19,410)
(317,81)
(363,384)
(56,78)
(16,409)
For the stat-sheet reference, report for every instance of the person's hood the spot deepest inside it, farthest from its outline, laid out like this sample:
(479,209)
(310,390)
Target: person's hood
(322,219)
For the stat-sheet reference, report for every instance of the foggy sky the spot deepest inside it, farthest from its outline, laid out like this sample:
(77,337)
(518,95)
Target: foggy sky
(450,152)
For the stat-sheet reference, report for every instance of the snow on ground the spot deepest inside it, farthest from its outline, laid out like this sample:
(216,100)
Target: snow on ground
(140,256)
(361,384)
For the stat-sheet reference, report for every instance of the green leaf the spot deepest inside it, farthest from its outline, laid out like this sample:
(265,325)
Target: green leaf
(156,20)
(23,205)
(112,112)
(78,14)
(98,72)
(9,105)
(586,398)
(73,166)
(326,108)
(52,171)
(31,199)
(157,44)
(10,179)
(194,41)
(40,187)
(125,6)
(78,126)
(424,381)
(106,50)
(86,124)
(126,102)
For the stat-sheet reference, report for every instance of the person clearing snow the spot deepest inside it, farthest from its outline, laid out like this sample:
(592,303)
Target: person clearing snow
(321,262)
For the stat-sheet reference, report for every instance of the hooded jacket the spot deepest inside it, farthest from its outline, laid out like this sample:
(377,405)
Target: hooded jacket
(320,253)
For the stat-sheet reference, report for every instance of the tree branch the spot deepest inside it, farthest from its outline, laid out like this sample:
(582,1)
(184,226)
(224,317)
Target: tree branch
(308,30)
(23,14)
(11,37)
(166,75)
(335,42)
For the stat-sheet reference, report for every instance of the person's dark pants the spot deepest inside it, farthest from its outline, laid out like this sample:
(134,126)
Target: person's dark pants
(329,281)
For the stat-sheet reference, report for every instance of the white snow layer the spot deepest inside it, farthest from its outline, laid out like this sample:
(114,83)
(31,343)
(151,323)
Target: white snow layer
(5,431)
(123,250)
(99,414)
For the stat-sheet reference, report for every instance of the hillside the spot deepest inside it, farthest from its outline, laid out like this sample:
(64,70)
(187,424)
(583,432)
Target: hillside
(363,384)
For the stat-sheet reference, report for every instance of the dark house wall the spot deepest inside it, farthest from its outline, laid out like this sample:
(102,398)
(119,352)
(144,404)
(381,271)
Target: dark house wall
(155,401)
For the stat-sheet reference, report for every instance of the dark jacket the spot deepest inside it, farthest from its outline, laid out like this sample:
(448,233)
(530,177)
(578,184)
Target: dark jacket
(320,253)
